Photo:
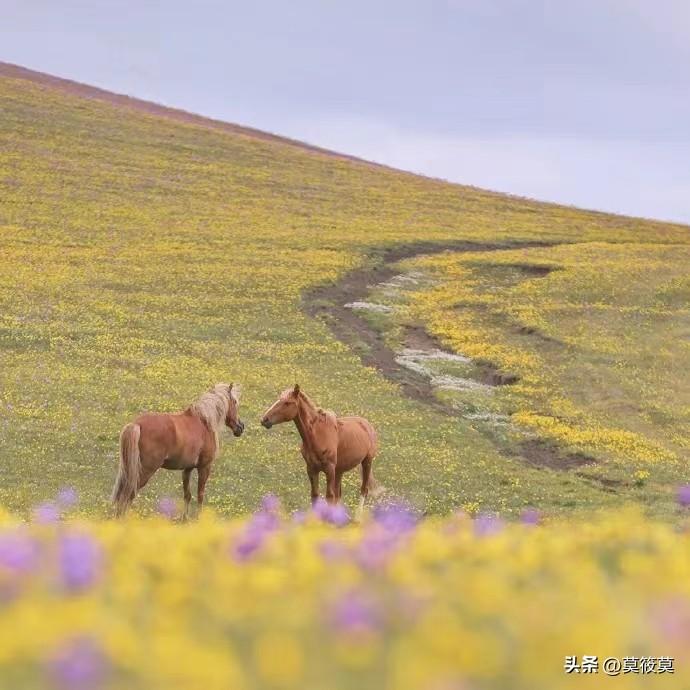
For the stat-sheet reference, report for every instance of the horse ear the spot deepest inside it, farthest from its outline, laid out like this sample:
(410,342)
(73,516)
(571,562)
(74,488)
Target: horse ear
(295,390)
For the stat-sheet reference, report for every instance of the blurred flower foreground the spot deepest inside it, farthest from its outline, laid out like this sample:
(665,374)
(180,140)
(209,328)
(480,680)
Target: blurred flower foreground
(313,600)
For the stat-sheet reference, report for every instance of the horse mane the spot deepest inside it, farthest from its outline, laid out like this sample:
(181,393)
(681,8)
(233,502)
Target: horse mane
(320,411)
(212,407)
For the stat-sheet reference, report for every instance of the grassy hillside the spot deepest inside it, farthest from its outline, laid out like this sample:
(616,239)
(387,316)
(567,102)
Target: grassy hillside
(144,259)
(595,336)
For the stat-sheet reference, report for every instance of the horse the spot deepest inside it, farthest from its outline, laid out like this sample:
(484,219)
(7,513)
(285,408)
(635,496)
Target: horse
(332,445)
(182,441)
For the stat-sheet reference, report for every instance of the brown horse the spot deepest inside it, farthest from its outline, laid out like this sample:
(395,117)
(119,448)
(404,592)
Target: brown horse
(181,441)
(332,445)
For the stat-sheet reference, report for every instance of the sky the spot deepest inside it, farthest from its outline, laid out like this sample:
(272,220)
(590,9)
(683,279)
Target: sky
(583,102)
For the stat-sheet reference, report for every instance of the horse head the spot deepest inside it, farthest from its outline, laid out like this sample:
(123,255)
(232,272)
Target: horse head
(284,409)
(232,417)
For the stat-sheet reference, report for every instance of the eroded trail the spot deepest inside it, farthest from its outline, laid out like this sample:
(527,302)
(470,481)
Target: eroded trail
(330,303)
(341,307)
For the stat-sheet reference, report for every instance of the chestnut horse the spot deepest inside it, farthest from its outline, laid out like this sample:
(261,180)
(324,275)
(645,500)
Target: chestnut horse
(332,445)
(183,441)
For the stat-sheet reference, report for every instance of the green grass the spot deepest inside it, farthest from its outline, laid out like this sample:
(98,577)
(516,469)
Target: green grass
(144,260)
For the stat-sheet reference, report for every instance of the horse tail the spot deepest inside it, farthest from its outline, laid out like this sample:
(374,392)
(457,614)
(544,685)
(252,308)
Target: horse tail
(127,481)
(375,487)
(374,440)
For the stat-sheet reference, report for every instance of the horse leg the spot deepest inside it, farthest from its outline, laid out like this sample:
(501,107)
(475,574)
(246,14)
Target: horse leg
(203,472)
(144,476)
(186,476)
(364,491)
(338,485)
(331,483)
(314,481)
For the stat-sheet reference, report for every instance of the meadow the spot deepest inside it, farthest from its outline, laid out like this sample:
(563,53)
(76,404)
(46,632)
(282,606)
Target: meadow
(537,496)
(593,337)
(146,259)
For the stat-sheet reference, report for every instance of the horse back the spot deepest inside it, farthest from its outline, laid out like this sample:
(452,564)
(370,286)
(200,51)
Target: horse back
(356,438)
(165,436)
(157,433)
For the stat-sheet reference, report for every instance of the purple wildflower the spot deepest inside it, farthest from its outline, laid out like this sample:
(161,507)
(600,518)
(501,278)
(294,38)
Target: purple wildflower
(18,551)
(335,514)
(67,497)
(487,524)
(264,522)
(683,495)
(398,517)
(377,547)
(167,507)
(530,516)
(78,665)
(320,508)
(80,560)
(270,503)
(392,524)
(338,515)
(247,545)
(46,513)
(353,612)
(299,516)
(259,526)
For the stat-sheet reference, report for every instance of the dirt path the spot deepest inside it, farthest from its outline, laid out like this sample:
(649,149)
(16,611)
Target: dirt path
(328,303)
(347,325)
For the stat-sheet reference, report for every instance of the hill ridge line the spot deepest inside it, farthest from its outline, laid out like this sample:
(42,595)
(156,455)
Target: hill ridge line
(13,71)
(96,93)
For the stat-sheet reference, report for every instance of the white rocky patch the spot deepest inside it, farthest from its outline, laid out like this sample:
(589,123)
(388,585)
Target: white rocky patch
(370,306)
(455,383)
(417,361)
(400,281)
(489,417)
(414,359)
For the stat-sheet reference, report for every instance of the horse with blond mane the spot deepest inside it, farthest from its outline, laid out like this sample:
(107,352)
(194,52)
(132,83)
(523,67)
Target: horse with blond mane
(332,445)
(185,441)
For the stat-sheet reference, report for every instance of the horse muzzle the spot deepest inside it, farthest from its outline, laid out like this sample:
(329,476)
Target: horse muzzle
(239,428)
(266,423)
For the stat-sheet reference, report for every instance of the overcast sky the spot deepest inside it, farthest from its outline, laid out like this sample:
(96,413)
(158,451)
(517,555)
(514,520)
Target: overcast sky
(585,102)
